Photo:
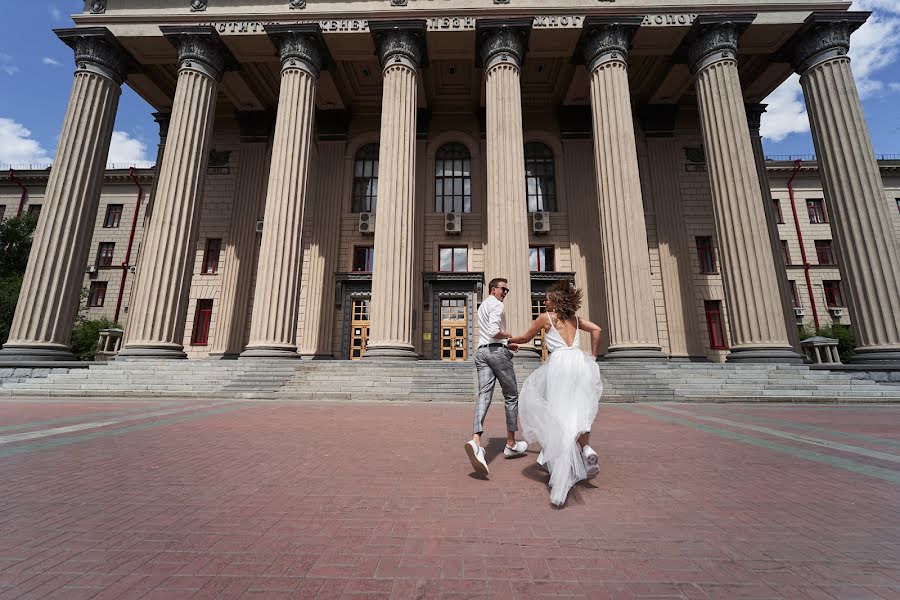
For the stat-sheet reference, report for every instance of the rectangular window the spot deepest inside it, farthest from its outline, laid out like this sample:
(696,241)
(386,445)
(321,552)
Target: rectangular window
(2,211)
(795,296)
(105,254)
(824,252)
(113,216)
(362,258)
(779,218)
(898,204)
(785,252)
(97,294)
(705,254)
(211,256)
(455,259)
(202,319)
(833,296)
(540,258)
(714,324)
(35,210)
(816,210)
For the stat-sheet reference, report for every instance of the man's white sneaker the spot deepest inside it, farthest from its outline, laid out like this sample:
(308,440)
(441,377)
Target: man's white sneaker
(476,457)
(591,462)
(518,449)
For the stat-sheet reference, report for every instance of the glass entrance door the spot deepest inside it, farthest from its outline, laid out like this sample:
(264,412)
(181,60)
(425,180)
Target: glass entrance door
(454,334)
(359,328)
(537,307)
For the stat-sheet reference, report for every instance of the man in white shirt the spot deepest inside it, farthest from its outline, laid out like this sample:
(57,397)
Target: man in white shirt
(493,361)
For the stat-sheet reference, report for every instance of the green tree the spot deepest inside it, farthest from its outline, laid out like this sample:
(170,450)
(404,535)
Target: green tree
(15,244)
(86,333)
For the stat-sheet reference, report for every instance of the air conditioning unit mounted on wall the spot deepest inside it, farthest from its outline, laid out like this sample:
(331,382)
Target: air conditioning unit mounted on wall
(92,269)
(837,313)
(798,312)
(540,222)
(259,226)
(452,222)
(367,222)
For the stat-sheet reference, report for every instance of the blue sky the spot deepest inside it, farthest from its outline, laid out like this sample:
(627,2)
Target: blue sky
(36,77)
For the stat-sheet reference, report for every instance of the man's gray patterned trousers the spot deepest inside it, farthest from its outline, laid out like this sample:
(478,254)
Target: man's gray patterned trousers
(493,363)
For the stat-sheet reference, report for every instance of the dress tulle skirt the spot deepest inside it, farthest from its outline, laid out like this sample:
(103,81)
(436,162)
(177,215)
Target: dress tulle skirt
(558,403)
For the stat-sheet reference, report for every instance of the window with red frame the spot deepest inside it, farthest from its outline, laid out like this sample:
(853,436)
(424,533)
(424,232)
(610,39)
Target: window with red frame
(202,319)
(97,294)
(705,254)
(779,218)
(2,211)
(453,259)
(833,296)
(816,210)
(785,252)
(795,296)
(105,254)
(714,324)
(113,216)
(211,257)
(540,258)
(362,258)
(825,253)
(35,211)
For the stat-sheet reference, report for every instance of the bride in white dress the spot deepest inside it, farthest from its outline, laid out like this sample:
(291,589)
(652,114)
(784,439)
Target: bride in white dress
(558,402)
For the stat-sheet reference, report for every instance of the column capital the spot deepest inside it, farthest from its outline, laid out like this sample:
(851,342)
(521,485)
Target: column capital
(715,37)
(824,35)
(162,120)
(200,49)
(98,51)
(301,46)
(400,42)
(605,39)
(502,41)
(754,117)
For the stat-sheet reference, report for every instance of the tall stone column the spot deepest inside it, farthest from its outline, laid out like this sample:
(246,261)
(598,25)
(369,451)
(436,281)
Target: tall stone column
(273,326)
(48,301)
(501,51)
(623,229)
(250,192)
(400,46)
(754,116)
(323,244)
(748,268)
(867,253)
(158,311)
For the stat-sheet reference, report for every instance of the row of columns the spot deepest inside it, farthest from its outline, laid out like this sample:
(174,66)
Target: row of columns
(49,297)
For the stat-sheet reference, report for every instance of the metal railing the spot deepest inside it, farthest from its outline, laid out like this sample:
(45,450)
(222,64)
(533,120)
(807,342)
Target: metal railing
(141,164)
(812,157)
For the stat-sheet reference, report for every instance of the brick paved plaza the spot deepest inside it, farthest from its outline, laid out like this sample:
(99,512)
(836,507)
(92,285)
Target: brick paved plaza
(191,499)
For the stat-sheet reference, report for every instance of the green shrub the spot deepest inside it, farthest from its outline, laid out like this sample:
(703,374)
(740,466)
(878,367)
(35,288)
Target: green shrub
(86,334)
(842,333)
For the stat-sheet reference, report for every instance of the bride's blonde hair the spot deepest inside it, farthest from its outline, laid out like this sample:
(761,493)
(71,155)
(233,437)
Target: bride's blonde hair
(566,297)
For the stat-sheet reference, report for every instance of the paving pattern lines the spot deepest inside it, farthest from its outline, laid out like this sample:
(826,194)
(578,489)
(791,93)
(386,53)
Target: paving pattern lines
(16,415)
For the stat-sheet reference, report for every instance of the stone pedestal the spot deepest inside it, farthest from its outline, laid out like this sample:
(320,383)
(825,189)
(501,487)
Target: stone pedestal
(273,328)
(854,194)
(755,315)
(623,229)
(158,311)
(501,51)
(400,47)
(49,298)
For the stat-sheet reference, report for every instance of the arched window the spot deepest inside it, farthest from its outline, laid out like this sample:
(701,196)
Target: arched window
(540,178)
(365,179)
(453,179)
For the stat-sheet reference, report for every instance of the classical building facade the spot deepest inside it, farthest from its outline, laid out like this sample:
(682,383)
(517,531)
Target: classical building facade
(341,180)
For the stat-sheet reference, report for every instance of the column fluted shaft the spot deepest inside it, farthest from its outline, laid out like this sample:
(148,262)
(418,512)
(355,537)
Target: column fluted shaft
(49,297)
(238,259)
(158,311)
(323,253)
(755,314)
(273,327)
(867,253)
(392,272)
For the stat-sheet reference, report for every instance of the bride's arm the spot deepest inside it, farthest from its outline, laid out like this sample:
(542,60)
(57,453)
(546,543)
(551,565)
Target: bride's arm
(539,323)
(594,330)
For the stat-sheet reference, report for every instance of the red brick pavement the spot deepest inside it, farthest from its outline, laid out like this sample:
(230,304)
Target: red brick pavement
(297,500)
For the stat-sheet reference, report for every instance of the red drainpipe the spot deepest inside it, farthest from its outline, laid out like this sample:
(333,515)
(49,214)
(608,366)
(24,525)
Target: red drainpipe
(812,298)
(14,179)
(137,209)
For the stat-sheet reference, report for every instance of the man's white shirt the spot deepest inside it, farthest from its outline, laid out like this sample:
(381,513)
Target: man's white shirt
(491,321)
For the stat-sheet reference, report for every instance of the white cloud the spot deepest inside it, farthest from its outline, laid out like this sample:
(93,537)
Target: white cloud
(50,61)
(6,64)
(125,150)
(17,146)
(786,112)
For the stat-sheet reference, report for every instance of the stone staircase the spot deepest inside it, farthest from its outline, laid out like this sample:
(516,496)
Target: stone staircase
(426,381)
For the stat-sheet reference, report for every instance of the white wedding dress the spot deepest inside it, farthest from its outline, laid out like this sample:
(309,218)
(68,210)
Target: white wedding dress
(558,403)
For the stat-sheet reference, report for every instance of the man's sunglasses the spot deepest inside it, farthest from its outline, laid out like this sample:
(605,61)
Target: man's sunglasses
(505,290)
